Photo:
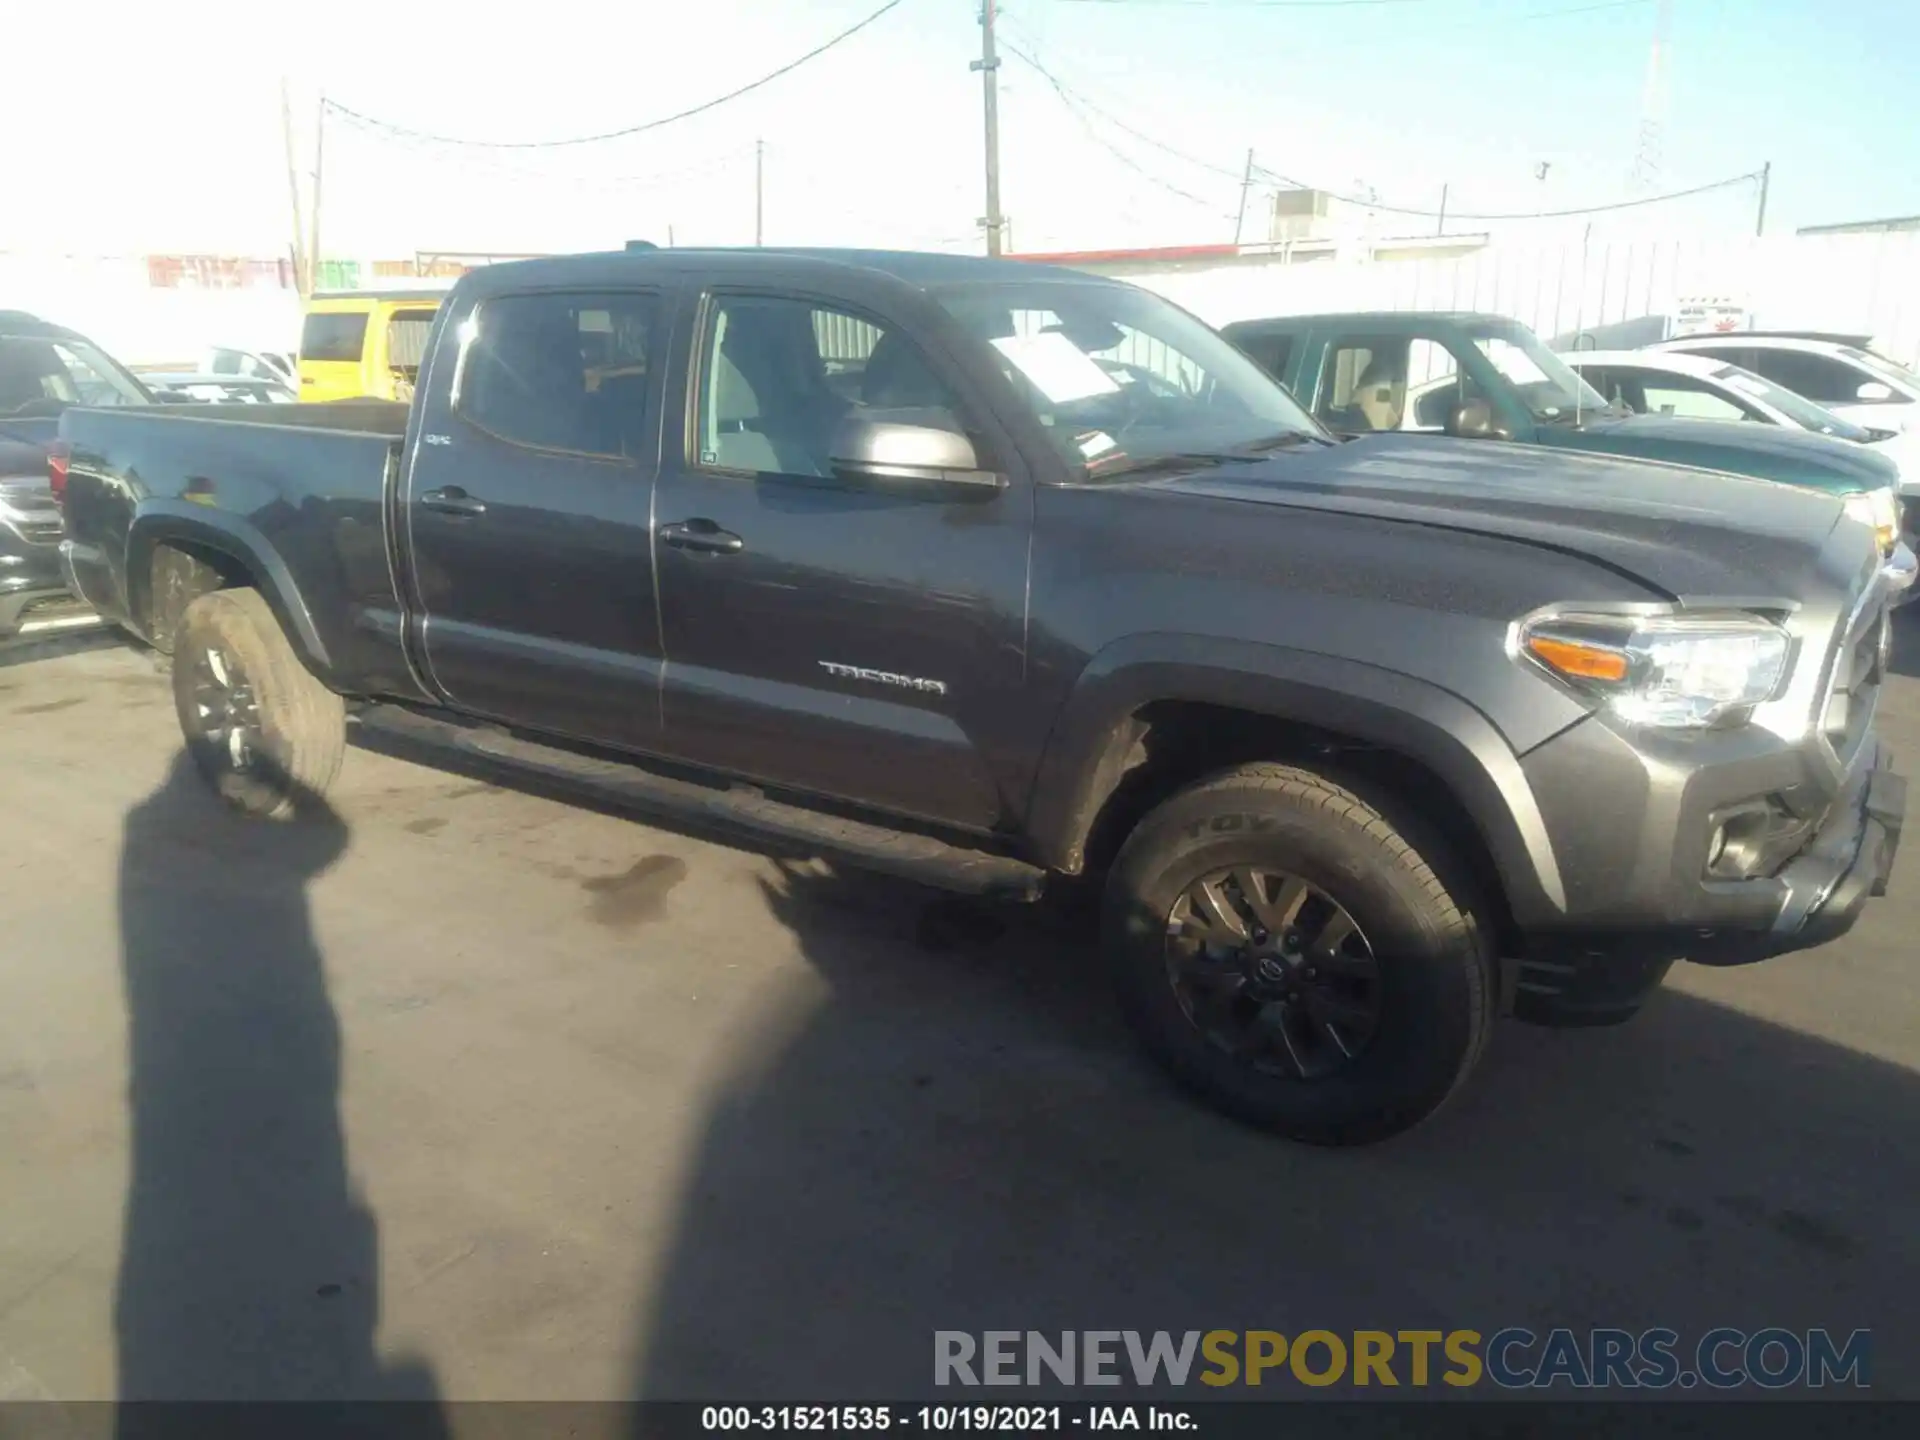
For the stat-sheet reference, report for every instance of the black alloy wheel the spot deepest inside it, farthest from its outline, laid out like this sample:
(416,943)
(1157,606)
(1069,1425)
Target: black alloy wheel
(1273,971)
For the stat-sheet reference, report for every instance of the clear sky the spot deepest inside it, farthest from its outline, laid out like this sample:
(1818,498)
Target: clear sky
(133,128)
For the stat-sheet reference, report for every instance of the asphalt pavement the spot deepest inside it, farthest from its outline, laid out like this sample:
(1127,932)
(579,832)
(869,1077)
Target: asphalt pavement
(463,1092)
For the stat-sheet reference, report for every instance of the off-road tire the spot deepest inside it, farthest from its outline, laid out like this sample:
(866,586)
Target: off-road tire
(302,724)
(1436,993)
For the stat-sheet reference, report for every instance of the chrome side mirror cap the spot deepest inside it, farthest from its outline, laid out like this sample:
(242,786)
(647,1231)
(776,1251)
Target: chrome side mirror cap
(907,446)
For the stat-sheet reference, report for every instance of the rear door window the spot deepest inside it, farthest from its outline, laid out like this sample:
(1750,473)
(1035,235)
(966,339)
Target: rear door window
(566,372)
(334,336)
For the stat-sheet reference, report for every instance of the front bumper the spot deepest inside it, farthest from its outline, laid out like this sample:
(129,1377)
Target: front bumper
(1599,974)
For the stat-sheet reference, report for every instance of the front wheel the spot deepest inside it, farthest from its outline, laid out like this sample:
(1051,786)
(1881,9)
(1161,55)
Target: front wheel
(266,734)
(1292,957)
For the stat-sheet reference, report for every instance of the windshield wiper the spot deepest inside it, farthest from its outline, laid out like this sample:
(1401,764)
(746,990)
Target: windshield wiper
(1120,463)
(1285,440)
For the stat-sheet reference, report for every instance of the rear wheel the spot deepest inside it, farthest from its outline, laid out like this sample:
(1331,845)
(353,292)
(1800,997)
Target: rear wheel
(263,731)
(1291,956)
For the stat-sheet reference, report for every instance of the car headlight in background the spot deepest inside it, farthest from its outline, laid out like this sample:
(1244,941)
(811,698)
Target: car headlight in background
(1879,511)
(1673,671)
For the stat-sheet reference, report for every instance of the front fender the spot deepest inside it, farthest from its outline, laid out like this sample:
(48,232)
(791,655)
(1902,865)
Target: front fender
(160,521)
(1090,740)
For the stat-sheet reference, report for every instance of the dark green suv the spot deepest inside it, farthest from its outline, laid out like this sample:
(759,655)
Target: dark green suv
(1485,377)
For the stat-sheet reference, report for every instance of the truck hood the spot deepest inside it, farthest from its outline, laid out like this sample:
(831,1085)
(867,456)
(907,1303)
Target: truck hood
(1679,531)
(1772,452)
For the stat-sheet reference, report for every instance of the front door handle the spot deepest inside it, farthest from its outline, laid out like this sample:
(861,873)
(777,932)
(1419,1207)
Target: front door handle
(452,500)
(703,536)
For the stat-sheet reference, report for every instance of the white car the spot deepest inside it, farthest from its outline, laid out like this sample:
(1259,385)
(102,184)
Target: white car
(1707,387)
(1851,380)
(253,364)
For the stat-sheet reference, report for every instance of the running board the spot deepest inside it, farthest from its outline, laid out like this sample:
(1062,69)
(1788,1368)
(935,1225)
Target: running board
(739,809)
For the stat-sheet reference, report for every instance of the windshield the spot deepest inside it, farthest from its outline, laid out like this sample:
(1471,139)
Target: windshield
(40,377)
(1116,373)
(1541,380)
(1798,409)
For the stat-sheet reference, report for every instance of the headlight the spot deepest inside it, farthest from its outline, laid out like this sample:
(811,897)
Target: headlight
(1880,513)
(1674,671)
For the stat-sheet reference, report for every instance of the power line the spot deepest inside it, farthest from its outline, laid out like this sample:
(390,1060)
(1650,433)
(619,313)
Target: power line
(1352,4)
(1750,177)
(625,131)
(1257,4)
(488,165)
(1067,98)
(1073,98)
(1076,101)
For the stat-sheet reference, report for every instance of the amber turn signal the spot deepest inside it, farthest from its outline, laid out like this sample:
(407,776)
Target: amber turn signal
(1576,660)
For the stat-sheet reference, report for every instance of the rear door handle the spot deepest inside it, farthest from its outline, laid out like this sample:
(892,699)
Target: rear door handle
(703,536)
(452,500)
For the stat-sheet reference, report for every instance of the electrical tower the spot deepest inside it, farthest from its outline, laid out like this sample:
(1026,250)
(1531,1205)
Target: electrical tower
(1653,107)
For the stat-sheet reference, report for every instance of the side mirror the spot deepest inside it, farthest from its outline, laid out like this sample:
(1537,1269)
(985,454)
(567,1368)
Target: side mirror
(1872,392)
(908,445)
(1473,420)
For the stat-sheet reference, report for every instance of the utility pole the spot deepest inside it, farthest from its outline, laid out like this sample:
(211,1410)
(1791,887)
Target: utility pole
(1766,182)
(319,140)
(1443,211)
(1246,185)
(988,65)
(759,191)
(300,279)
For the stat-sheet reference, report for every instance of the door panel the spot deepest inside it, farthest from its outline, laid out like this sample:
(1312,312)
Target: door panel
(861,636)
(529,510)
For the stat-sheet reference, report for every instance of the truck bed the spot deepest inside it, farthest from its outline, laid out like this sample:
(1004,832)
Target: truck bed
(264,489)
(385,418)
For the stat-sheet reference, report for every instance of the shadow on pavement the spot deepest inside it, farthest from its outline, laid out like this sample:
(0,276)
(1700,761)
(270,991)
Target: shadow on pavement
(249,1265)
(964,1138)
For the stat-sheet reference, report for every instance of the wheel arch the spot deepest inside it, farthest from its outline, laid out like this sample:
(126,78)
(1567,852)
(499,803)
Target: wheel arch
(1209,704)
(214,550)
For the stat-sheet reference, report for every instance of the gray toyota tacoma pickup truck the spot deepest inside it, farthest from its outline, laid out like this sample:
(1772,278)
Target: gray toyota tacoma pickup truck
(995,575)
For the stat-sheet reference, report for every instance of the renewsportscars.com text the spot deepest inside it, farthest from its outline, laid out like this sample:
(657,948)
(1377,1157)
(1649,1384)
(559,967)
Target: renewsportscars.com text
(1512,1358)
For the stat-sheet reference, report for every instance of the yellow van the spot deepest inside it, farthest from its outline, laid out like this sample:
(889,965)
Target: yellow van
(365,344)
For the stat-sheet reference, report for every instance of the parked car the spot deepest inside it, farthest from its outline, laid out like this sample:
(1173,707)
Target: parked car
(1852,381)
(221,389)
(1705,387)
(1489,378)
(365,344)
(991,575)
(254,364)
(43,369)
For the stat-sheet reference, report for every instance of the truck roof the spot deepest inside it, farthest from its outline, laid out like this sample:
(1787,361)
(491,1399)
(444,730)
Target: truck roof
(915,267)
(1385,319)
